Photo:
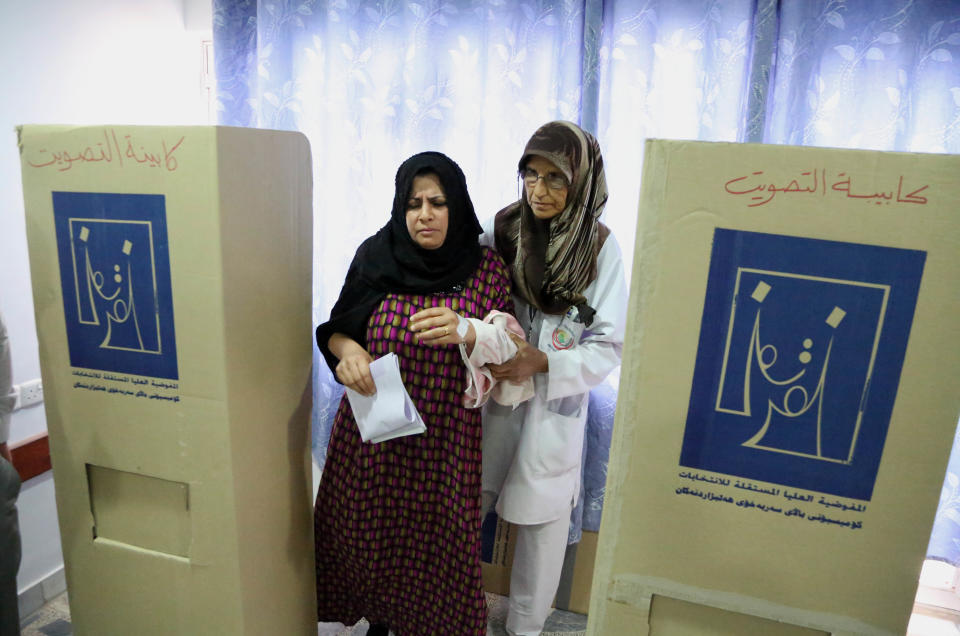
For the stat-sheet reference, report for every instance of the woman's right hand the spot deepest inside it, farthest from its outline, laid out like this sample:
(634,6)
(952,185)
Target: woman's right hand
(353,371)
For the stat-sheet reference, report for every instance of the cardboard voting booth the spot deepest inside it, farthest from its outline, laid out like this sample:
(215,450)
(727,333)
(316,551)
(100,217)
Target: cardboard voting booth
(172,281)
(789,393)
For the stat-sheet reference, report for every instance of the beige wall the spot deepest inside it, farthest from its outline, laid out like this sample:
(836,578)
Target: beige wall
(46,80)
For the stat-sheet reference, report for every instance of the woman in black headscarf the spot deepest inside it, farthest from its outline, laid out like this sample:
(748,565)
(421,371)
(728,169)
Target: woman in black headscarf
(570,296)
(397,522)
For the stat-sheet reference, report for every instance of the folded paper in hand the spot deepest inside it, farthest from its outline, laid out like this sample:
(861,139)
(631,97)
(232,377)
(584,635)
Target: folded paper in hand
(389,412)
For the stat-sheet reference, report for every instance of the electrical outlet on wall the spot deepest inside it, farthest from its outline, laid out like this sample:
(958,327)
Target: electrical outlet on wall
(31,392)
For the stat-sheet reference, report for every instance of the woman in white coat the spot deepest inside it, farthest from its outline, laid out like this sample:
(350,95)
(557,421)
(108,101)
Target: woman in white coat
(570,297)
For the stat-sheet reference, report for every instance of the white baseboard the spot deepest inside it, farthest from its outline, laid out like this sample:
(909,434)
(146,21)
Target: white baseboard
(41,592)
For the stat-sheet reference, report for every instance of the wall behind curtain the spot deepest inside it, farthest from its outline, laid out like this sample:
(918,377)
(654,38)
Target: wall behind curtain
(371,82)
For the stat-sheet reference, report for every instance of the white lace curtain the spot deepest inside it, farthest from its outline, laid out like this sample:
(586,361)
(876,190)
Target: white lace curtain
(371,82)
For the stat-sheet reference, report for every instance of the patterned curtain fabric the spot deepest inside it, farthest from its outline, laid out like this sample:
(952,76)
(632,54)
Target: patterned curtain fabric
(371,82)
(878,74)
(945,539)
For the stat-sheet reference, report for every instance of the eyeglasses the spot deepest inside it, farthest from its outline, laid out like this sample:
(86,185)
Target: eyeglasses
(554,181)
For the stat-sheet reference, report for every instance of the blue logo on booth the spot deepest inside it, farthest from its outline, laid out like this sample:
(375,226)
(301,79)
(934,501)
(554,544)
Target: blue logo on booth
(115,276)
(801,346)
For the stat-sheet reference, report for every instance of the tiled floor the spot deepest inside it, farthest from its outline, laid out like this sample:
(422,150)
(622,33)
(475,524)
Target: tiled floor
(937,608)
(53,619)
(923,623)
(936,613)
(560,623)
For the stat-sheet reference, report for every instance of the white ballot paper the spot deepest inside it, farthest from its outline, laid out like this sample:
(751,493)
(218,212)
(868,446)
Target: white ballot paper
(389,412)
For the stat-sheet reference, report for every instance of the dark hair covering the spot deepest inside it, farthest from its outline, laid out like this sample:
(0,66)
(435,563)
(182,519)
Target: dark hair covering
(390,261)
(553,261)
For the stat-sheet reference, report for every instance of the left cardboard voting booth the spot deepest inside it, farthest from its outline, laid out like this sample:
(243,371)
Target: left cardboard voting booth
(171,273)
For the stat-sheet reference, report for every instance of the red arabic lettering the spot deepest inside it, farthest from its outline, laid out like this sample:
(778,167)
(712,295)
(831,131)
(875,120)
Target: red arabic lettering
(116,144)
(106,151)
(911,198)
(843,185)
(168,159)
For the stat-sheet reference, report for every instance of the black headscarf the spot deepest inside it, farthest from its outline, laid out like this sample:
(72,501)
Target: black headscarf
(390,261)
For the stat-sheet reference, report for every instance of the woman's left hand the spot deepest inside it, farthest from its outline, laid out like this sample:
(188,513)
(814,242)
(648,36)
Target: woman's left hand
(435,326)
(528,361)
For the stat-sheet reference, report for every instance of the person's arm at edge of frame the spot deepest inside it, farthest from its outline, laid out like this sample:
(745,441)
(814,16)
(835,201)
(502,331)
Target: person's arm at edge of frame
(7,397)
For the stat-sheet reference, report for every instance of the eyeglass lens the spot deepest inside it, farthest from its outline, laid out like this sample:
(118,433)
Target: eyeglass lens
(553,181)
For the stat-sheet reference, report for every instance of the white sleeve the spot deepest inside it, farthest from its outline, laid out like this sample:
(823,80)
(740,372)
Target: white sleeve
(480,380)
(493,346)
(487,238)
(7,397)
(577,370)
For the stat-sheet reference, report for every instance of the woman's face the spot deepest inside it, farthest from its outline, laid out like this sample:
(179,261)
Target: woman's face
(427,216)
(546,187)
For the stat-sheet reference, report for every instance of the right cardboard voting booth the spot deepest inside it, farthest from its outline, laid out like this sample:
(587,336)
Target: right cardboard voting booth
(789,392)
(171,273)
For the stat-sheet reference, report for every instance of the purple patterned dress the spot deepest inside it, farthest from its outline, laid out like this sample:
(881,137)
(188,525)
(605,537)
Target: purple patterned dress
(398,523)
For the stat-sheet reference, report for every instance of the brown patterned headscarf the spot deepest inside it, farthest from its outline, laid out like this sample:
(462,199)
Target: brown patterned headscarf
(553,261)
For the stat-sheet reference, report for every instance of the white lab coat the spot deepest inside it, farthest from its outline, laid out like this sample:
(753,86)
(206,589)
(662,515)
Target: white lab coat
(532,454)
